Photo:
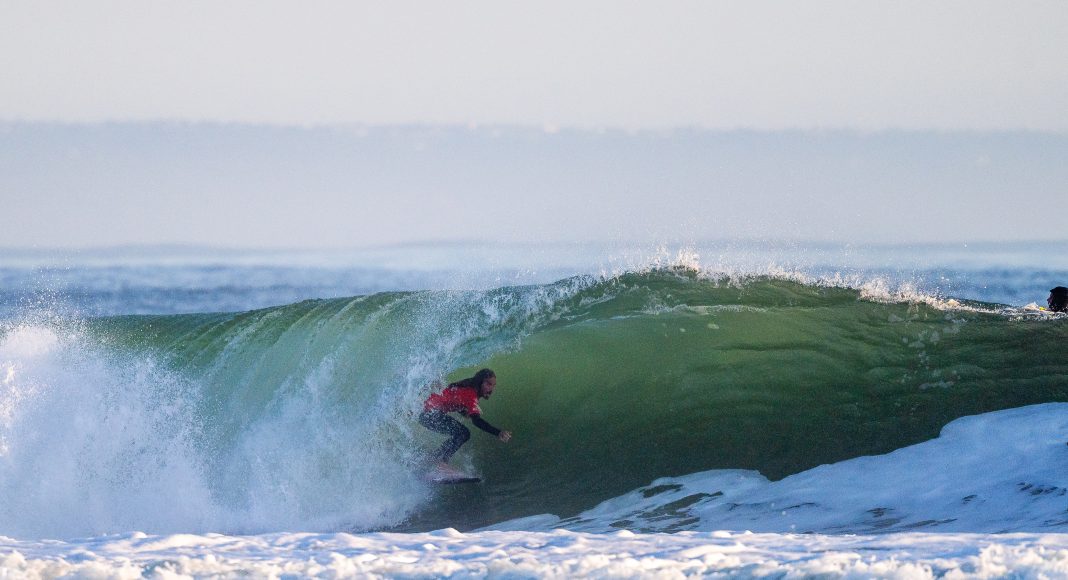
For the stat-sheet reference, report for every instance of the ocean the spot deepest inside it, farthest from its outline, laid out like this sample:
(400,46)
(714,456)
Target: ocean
(721,408)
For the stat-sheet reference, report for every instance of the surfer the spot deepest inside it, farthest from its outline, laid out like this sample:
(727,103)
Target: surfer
(1058,299)
(460,397)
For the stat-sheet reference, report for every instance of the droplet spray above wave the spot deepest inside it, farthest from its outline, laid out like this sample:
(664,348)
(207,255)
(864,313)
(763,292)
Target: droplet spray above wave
(94,442)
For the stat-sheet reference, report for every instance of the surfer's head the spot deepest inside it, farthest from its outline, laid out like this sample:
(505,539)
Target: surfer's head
(485,381)
(1058,299)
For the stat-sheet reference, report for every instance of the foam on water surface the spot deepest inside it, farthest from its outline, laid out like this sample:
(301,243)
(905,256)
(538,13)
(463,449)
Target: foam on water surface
(558,554)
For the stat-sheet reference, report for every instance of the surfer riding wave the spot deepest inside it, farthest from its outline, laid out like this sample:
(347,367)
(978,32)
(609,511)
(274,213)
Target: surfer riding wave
(459,397)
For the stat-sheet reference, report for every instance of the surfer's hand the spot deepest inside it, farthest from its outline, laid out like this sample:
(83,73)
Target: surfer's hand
(505,436)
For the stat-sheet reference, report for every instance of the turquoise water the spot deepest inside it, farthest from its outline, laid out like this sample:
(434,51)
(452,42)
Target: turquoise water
(301,415)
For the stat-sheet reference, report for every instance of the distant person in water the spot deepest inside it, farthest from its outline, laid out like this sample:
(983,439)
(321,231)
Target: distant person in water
(460,397)
(1058,299)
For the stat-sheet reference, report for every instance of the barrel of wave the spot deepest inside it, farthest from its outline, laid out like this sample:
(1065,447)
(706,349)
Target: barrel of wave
(799,377)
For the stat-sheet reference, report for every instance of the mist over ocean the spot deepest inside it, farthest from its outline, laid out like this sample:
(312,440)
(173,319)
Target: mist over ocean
(230,184)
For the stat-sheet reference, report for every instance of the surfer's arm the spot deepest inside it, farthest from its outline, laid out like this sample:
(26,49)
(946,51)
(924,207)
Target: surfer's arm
(482,424)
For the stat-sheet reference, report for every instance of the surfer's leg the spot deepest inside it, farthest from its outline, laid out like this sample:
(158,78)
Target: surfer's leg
(433,420)
(460,435)
(442,423)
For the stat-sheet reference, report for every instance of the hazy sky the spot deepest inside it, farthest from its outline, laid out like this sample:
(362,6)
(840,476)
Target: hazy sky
(757,64)
(262,123)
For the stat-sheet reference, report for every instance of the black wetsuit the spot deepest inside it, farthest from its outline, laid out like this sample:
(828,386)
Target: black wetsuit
(458,434)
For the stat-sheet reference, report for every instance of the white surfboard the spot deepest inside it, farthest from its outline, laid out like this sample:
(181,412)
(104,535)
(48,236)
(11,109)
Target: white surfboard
(447,476)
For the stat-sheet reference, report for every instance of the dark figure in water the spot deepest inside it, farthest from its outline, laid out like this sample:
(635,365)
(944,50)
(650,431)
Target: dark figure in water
(1058,299)
(460,397)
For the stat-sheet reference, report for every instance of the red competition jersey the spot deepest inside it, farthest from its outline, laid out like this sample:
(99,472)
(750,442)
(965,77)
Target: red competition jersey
(454,399)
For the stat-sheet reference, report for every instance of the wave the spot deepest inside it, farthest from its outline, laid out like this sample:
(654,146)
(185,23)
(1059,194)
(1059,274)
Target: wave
(301,416)
(995,473)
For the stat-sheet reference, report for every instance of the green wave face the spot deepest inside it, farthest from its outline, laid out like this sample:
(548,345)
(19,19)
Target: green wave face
(605,384)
